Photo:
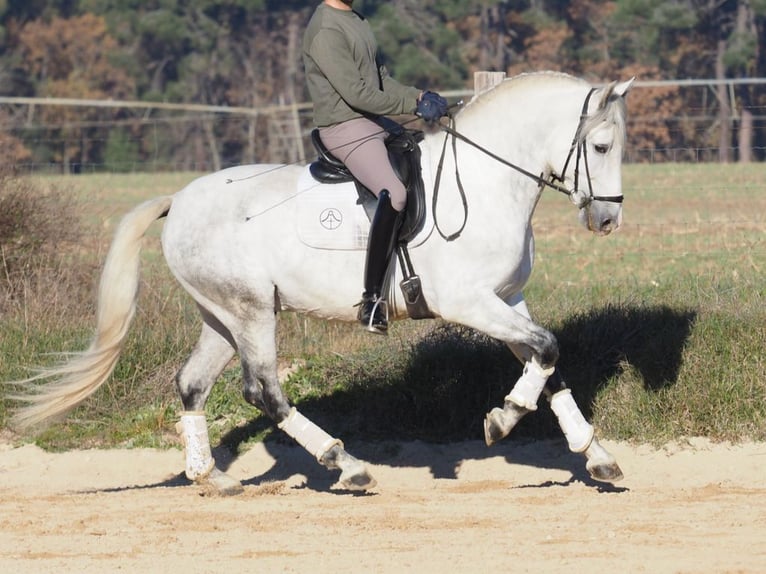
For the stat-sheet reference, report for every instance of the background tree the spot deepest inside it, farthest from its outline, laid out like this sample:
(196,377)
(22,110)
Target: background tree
(247,53)
(69,58)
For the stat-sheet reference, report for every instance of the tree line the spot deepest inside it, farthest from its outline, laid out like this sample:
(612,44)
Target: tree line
(246,53)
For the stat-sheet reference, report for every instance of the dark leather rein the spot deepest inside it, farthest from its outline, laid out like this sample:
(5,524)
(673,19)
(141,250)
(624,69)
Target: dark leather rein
(578,146)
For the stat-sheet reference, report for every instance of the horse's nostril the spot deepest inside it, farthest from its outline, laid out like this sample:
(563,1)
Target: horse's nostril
(606,224)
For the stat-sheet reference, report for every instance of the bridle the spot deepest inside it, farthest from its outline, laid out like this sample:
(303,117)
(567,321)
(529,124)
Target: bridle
(555,181)
(579,143)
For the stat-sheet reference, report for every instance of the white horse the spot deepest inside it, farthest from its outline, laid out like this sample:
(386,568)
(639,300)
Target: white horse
(249,241)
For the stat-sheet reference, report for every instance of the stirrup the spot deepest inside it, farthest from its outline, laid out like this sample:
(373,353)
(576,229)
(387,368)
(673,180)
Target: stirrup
(373,315)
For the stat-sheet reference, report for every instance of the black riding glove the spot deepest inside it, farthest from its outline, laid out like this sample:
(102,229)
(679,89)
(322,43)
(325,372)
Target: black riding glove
(431,107)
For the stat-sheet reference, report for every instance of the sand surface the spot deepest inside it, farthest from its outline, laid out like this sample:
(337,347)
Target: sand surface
(516,507)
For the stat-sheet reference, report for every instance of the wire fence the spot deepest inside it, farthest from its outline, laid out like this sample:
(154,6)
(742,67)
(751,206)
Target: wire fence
(180,143)
(75,136)
(719,214)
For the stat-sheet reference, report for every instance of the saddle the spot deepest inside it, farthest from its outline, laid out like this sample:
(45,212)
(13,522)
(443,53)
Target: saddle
(404,154)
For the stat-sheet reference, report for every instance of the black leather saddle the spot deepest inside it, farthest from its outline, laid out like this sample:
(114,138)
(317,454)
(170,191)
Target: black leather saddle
(404,154)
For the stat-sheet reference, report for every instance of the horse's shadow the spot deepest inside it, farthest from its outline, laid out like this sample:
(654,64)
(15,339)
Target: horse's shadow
(455,375)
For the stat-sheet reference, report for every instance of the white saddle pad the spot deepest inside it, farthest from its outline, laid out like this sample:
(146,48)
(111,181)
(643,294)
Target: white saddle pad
(328,216)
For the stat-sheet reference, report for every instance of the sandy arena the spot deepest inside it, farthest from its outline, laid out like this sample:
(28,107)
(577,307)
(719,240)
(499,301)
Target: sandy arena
(516,507)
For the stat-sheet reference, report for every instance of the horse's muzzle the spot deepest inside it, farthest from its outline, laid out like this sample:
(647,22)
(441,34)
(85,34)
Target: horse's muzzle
(601,219)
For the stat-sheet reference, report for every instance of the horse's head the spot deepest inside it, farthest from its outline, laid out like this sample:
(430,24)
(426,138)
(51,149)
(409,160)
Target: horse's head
(595,159)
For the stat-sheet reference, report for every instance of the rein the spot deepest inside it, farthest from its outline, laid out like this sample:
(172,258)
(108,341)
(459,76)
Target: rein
(578,143)
(437,180)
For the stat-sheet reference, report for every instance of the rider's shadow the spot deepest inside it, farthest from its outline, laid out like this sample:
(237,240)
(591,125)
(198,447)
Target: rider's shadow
(455,375)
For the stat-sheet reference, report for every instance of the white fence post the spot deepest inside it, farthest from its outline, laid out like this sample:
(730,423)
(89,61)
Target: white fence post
(483,81)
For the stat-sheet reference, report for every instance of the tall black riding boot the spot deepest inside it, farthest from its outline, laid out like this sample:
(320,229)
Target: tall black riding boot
(384,231)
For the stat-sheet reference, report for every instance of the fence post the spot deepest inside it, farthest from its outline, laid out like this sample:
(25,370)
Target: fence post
(483,81)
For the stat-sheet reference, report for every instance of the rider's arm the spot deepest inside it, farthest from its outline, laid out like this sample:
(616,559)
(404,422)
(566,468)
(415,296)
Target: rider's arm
(357,81)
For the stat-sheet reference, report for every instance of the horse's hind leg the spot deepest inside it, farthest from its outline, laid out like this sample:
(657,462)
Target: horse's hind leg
(194,382)
(257,348)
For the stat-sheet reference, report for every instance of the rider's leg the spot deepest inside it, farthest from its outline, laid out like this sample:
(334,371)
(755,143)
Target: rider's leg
(380,247)
(360,145)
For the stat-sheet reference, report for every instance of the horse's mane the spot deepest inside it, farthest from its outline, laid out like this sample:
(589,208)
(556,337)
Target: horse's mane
(524,80)
(615,112)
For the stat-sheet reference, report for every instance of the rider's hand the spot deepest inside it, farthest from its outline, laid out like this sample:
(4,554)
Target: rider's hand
(431,107)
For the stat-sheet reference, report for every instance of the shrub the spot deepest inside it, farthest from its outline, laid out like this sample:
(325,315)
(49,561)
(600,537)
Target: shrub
(38,229)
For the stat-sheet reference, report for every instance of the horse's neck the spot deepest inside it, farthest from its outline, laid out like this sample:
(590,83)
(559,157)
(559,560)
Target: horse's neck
(492,202)
(525,126)
(488,184)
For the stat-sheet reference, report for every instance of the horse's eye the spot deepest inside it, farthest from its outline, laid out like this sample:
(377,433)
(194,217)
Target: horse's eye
(601,148)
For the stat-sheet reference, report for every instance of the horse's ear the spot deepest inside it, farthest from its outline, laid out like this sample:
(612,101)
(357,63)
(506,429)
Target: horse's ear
(622,88)
(615,89)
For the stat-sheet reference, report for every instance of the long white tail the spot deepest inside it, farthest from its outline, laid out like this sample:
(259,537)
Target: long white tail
(74,380)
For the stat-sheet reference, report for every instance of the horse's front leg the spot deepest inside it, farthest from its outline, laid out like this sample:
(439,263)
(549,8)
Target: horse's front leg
(538,350)
(522,400)
(524,395)
(579,433)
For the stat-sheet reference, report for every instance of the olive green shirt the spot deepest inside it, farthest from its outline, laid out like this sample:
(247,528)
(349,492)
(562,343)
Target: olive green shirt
(343,76)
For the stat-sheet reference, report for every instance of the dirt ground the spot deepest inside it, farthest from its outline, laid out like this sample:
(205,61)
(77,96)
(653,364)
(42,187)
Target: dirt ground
(515,507)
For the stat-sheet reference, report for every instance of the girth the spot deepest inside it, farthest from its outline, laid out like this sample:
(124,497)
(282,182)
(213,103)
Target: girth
(404,154)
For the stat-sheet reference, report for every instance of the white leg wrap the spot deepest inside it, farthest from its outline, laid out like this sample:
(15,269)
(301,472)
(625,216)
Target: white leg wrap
(527,389)
(316,441)
(578,431)
(193,430)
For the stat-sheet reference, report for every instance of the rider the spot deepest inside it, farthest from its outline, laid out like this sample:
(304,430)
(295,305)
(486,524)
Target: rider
(350,89)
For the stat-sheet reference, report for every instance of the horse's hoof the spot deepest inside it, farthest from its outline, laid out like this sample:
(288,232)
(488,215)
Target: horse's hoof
(605,472)
(601,465)
(218,483)
(356,477)
(493,426)
(499,423)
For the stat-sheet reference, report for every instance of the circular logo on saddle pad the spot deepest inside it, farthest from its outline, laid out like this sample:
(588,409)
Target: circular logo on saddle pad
(330,218)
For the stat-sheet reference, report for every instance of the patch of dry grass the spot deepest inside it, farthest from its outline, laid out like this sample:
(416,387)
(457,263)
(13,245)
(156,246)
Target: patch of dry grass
(661,324)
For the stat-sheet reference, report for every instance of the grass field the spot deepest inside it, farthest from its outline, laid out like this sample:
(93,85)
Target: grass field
(661,328)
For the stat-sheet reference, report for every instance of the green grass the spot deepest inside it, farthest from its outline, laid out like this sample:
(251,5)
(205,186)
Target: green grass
(660,327)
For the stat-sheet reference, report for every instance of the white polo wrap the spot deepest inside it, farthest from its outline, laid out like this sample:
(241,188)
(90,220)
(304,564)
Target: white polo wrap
(578,431)
(193,430)
(527,389)
(316,441)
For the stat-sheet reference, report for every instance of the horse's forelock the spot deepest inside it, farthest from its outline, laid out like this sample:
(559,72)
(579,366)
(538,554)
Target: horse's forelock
(613,110)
